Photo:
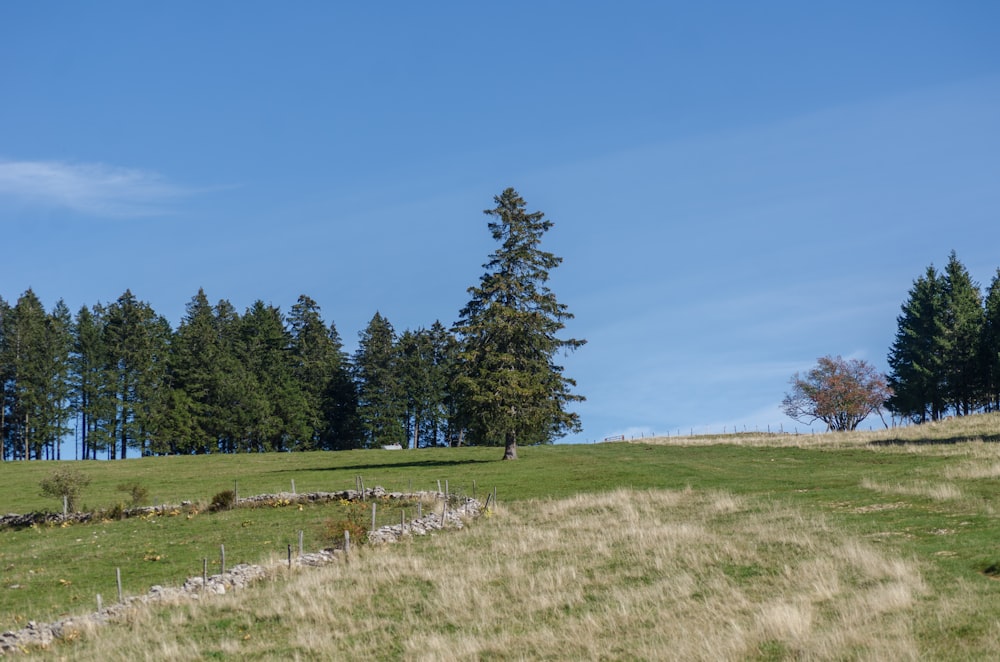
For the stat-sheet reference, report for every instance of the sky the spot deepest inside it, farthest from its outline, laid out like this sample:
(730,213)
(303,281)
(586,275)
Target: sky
(737,189)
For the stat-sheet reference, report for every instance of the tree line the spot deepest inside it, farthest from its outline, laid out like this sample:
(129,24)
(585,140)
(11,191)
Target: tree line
(945,359)
(121,381)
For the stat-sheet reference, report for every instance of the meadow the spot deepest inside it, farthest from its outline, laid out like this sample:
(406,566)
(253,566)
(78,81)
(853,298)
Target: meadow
(869,545)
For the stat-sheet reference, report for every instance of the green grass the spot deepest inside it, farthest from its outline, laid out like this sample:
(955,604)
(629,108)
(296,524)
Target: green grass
(928,494)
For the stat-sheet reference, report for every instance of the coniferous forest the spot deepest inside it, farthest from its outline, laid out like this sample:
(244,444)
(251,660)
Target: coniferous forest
(945,359)
(120,382)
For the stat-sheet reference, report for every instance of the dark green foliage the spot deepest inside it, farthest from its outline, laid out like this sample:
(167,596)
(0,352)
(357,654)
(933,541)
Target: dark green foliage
(34,377)
(320,368)
(963,322)
(91,401)
(511,389)
(426,364)
(381,397)
(946,354)
(136,341)
(989,348)
(65,483)
(916,358)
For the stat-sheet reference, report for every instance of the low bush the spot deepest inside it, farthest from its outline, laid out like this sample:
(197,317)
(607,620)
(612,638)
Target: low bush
(136,491)
(354,521)
(224,500)
(65,483)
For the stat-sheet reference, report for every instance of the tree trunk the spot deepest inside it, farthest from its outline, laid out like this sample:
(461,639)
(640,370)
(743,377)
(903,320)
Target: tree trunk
(510,447)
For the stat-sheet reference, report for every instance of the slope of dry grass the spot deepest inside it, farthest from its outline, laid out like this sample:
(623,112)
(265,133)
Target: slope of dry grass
(655,575)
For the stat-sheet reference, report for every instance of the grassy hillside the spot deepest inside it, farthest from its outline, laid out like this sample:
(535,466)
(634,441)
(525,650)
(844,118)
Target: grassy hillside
(870,545)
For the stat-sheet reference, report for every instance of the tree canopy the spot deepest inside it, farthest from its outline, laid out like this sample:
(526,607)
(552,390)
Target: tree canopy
(512,389)
(839,392)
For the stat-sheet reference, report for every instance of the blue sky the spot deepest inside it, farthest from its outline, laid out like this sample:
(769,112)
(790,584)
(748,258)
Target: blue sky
(737,188)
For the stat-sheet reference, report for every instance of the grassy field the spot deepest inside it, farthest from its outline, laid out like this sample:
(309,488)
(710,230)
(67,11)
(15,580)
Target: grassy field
(862,546)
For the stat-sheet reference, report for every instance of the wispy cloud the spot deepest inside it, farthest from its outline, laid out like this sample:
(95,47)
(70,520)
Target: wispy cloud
(94,189)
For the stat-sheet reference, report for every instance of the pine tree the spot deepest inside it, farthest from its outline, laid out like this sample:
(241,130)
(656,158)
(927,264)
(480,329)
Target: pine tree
(58,406)
(315,359)
(93,393)
(195,358)
(341,426)
(989,347)
(276,411)
(511,387)
(234,386)
(381,407)
(417,375)
(6,377)
(916,359)
(963,327)
(136,340)
(27,356)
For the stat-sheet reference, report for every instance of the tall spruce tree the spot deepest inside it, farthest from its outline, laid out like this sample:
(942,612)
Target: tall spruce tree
(30,371)
(341,427)
(421,390)
(963,328)
(276,416)
(315,360)
(59,403)
(512,389)
(916,358)
(136,341)
(989,347)
(381,406)
(89,380)
(6,379)
(195,359)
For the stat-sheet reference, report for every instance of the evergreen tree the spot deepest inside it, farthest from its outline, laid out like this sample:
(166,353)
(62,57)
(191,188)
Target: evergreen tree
(58,406)
(136,340)
(314,361)
(916,359)
(512,389)
(276,412)
(89,381)
(380,397)
(963,327)
(443,410)
(6,377)
(989,348)
(235,386)
(195,358)
(28,363)
(341,426)
(417,377)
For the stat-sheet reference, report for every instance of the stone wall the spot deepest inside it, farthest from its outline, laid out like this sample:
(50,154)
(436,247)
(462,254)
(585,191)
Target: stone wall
(450,513)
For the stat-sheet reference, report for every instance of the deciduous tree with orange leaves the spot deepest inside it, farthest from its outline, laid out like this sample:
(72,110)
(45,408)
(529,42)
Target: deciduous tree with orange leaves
(839,392)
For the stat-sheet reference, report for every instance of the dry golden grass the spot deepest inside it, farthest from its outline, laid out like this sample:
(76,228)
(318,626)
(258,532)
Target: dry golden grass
(933,491)
(651,575)
(914,438)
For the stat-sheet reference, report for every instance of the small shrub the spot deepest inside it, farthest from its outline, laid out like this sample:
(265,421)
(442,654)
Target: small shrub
(136,492)
(67,483)
(223,501)
(355,519)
